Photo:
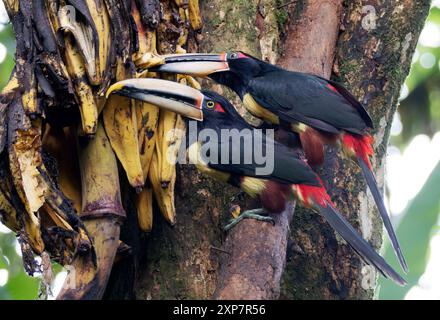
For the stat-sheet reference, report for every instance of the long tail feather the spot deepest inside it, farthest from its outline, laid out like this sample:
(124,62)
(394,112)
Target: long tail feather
(362,247)
(372,184)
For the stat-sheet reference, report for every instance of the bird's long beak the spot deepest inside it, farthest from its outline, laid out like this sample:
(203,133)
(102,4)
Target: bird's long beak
(168,95)
(194,64)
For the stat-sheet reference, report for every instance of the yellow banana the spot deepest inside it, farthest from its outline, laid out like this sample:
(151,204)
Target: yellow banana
(92,37)
(121,125)
(100,16)
(164,196)
(147,121)
(144,207)
(102,212)
(148,117)
(87,104)
(169,138)
(194,15)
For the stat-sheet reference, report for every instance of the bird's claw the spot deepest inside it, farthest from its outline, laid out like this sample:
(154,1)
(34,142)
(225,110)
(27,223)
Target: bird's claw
(250,214)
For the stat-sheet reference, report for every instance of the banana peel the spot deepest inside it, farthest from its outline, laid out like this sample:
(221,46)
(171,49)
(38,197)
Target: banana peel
(83,90)
(61,144)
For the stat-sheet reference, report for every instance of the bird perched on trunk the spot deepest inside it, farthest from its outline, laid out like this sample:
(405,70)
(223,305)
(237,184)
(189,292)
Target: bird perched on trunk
(320,110)
(290,176)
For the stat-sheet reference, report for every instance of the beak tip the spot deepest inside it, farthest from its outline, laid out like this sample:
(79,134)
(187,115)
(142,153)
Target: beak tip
(113,89)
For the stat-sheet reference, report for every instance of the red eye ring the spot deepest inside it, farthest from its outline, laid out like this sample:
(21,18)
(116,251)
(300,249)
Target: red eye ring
(219,108)
(237,55)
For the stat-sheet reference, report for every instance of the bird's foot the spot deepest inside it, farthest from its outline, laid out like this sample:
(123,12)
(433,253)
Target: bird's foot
(256,214)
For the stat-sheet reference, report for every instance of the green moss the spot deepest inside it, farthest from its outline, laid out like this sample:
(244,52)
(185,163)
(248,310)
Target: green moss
(281,13)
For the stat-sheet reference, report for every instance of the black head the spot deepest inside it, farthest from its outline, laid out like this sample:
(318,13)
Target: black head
(242,68)
(216,105)
(232,69)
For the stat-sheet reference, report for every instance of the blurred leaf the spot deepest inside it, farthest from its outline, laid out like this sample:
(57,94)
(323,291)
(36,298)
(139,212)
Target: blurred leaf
(7,39)
(414,232)
(22,287)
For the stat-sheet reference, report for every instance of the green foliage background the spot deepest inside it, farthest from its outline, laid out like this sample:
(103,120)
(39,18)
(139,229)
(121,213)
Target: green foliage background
(420,114)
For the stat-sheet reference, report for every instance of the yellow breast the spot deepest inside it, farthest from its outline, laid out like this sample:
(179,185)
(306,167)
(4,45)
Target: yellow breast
(258,111)
(253,186)
(202,166)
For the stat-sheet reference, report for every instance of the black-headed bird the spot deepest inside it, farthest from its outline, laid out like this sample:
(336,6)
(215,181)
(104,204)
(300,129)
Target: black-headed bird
(320,110)
(290,177)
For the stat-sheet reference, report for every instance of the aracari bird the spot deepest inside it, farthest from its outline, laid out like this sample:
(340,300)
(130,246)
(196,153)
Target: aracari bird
(291,175)
(320,110)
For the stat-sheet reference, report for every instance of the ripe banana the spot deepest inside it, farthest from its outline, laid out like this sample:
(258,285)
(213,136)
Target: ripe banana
(144,207)
(121,125)
(92,37)
(87,104)
(101,19)
(164,196)
(147,121)
(169,138)
(194,15)
(148,118)
(11,86)
(102,212)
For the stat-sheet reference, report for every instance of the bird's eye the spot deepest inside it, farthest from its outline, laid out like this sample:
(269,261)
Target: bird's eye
(234,55)
(210,104)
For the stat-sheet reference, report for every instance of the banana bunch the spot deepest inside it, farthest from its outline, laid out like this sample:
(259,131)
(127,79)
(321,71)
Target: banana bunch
(171,128)
(65,149)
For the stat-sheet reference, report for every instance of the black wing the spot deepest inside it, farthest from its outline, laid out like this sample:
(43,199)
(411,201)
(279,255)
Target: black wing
(245,159)
(354,102)
(308,99)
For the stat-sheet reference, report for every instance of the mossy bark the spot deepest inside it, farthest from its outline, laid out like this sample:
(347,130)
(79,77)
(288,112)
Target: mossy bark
(183,262)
